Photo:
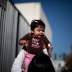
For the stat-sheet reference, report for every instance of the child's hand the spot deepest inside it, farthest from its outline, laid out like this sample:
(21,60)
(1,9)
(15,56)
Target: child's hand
(23,42)
(49,45)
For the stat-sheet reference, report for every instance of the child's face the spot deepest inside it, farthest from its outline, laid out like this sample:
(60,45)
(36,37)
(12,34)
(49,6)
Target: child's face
(39,31)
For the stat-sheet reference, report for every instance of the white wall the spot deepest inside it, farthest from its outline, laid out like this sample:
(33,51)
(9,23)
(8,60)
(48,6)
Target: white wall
(48,30)
(24,27)
(29,10)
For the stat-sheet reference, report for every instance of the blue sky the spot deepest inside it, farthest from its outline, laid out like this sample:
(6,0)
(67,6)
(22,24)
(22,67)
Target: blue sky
(59,15)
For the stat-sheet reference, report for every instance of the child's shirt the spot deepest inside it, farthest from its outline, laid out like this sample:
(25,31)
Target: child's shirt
(35,44)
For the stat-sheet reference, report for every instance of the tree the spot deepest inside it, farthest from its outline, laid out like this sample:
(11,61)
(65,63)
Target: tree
(69,61)
(64,55)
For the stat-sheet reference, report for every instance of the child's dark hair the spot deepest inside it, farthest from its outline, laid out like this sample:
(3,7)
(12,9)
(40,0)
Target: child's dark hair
(36,23)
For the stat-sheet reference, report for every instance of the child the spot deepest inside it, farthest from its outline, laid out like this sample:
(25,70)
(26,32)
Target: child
(34,42)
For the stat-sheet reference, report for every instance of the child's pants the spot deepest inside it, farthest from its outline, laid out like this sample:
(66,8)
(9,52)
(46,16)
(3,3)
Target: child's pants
(28,58)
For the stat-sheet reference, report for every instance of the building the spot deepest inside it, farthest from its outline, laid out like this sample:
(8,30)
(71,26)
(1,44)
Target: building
(58,64)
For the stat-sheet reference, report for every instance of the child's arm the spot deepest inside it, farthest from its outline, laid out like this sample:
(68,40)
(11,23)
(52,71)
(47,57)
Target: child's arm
(24,40)
(48,45)
(49,49)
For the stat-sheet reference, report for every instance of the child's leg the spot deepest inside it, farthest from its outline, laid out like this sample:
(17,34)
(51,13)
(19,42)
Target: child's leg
(27,60)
